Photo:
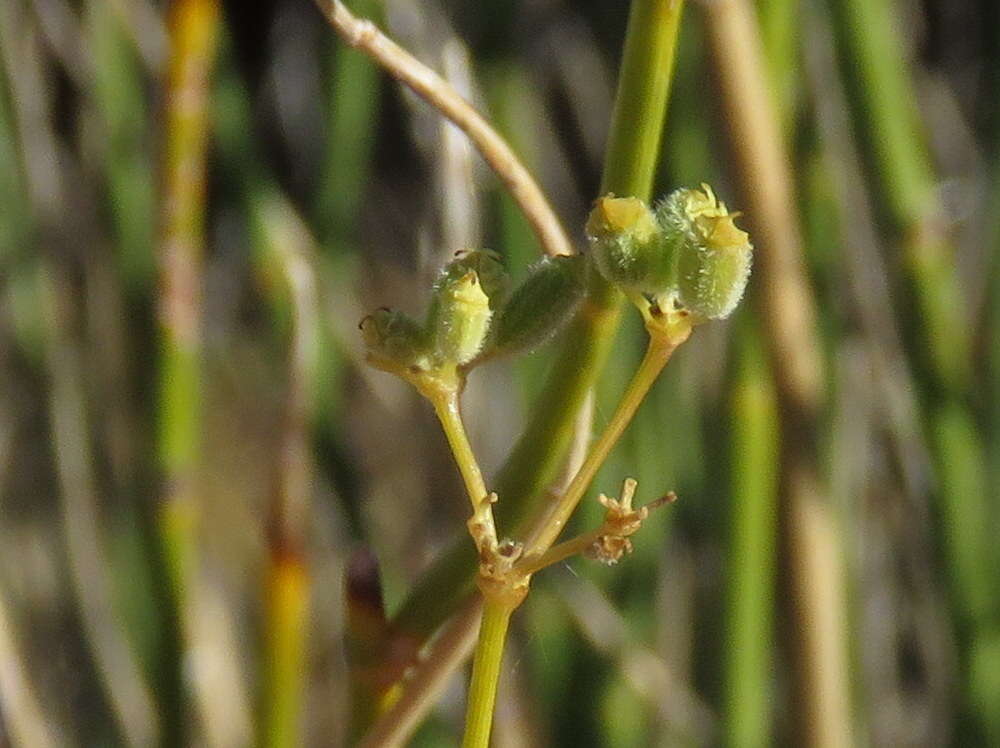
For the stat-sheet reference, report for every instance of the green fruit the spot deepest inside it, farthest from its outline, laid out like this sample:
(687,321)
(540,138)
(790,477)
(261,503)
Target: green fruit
(488,266)
(459,318)
(713,255)
(392,337)
(540,306)
(628,246)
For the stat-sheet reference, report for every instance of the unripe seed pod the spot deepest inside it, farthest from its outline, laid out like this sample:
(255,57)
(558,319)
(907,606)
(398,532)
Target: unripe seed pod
(628,246)
(713,254)
(458,319)
(540,306)
(394,337)
(488,266)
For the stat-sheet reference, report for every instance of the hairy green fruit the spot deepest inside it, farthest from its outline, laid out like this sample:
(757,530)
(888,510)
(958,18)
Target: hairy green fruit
(713,255)
(394,339)
(488,267)
(628,246)
(459,317)
(540,306)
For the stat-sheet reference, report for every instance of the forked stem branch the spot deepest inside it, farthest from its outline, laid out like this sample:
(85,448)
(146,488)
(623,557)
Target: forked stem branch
(667,330)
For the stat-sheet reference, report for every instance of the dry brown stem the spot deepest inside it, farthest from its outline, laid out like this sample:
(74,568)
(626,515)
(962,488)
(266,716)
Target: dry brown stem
(811,543)
(436,91)
(421,689)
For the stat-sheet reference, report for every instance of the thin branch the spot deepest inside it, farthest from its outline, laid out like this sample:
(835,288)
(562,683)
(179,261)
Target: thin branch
(551,523)
(288,576)
(458,636)
(620,522)
(429,678)
(365,36)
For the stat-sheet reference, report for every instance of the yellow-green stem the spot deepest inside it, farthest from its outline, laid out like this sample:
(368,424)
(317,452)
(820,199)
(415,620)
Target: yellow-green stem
(641,101)
(193,29)
(287,617)
(560,552)
(661,347)
(486,673)
(449,414)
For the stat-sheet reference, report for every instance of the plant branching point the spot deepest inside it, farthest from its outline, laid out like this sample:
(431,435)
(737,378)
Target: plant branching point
(683,263)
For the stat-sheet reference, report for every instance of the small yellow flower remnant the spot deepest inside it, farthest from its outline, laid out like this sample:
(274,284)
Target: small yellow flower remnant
(621,521)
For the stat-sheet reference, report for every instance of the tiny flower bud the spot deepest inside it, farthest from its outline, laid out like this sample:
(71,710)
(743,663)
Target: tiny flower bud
(713,255)
(488,266)
(628,246)
(540,306)
(459,318)
(394,338)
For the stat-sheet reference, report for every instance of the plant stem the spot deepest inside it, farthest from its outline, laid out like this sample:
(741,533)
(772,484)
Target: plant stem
(659,351)
(449,414)
(281,239)
(435,90)
(561,551)
(130,699)
(428,678)
(352,115)
(663,341)
(286,624)
(193,28)
(486,673)
(751,559)
(641,101)
(809,533)
(288,576)
(121,100)
(534,462)
(872,40)
(48,198)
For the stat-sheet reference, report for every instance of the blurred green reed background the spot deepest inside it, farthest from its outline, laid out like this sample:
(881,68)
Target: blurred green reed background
(191,446)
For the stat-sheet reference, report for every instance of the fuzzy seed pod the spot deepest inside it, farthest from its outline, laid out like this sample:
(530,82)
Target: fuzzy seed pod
(459,318)
(713,255)
(394,338)
(488,266)
(628,246)
(540,306)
